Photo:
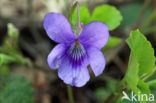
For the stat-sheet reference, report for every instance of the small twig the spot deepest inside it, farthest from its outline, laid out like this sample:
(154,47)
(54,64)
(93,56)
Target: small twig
(150,30)
(141,14)
(120,64)
(148,20)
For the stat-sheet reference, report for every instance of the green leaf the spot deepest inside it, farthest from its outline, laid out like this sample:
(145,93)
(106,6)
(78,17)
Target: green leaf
(141,58)
(13,58)
(107,14)
(144,87)
(112,42)
(152,82)
(142,50)
(13,31)
(15,89)
(131,77)
(84,15)
(5,59)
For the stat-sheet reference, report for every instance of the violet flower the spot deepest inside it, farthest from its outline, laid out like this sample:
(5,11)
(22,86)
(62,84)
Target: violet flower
(73,54)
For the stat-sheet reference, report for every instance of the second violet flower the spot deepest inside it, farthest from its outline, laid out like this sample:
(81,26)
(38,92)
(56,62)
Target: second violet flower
(73,54)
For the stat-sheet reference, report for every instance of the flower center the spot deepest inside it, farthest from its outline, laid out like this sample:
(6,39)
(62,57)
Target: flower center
(76,53)
(77,42)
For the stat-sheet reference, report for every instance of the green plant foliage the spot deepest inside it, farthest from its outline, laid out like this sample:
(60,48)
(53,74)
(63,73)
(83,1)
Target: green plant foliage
(133,80)
(107,14)
(130,13)
(15,89)
(112,42)
(142,50)
(13,31)
(144,87)
(103,93)
(5,59)
(11,52)
(131,77)
(141,62)
(4,70)
(152,80)
(152,84)
(84,15)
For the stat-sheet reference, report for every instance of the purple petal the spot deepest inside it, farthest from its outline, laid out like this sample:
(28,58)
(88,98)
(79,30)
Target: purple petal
(95,34)
(65,72)
(54,57)
(82,77)
(96,60)
(58,28)
(73,76)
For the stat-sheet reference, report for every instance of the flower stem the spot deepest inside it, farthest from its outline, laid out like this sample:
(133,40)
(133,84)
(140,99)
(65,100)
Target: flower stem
(71,12)
(141,14)
(70,94)
(78,28)
(78,24)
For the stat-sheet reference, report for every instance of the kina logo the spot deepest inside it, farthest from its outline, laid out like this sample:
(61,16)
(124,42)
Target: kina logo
(137,97)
